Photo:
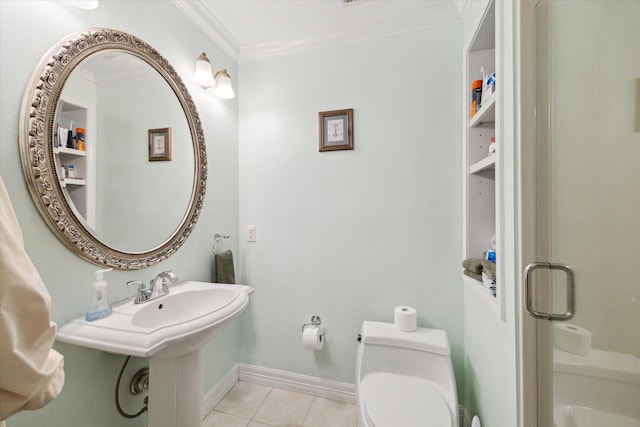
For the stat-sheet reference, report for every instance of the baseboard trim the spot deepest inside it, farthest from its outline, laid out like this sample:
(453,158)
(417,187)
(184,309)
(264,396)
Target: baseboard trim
(219,390)
(315,386)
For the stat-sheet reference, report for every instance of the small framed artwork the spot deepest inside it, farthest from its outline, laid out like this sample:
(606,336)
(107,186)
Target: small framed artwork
(336,130)
(159,144)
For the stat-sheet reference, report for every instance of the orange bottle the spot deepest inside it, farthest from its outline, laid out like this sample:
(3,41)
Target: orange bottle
(476,96)
(80,138)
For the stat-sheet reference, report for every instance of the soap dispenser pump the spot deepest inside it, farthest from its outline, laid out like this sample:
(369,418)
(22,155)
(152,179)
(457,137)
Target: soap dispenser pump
(99,308)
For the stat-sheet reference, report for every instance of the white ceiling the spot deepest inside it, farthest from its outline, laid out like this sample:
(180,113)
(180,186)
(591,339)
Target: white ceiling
(251,29)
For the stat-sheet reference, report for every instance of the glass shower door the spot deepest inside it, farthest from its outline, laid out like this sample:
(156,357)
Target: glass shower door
(587,57)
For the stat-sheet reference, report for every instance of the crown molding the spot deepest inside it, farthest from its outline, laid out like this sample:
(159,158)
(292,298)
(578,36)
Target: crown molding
(207,22)
(257,51)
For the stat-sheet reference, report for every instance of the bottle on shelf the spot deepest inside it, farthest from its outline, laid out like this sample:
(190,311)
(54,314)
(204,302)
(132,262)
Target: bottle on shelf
(476,96)
(70,139)
(80,138)
(492,145)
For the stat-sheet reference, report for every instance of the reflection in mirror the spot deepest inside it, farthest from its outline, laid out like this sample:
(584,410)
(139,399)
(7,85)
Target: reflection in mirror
(90,103)
(125,200)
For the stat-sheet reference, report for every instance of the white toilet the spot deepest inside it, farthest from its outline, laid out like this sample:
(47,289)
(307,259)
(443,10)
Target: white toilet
(405,379)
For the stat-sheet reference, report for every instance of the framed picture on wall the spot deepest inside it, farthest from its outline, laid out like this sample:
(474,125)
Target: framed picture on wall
(336,130)
(159,144)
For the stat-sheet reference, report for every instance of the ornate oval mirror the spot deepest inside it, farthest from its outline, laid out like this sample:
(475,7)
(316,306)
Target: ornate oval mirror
(113,149)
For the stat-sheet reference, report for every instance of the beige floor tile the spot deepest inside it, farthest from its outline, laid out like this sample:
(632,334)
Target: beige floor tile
(258,424)
(219,419)
(327,412)
(243,399)
(283,406)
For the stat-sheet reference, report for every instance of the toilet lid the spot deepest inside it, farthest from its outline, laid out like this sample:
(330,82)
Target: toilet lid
(395,400)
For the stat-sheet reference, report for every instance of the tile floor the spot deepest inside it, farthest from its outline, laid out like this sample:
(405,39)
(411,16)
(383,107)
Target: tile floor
(256,405)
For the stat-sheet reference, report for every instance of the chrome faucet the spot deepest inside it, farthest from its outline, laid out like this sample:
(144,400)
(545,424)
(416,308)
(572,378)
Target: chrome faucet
(158,287)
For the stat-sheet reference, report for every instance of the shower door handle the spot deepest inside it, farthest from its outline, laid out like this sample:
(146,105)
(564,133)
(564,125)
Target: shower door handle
(528,291)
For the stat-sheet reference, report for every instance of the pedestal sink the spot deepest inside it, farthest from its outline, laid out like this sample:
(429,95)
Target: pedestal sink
(171,331)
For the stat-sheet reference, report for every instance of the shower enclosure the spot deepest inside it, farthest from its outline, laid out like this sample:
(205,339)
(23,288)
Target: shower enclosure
(580,81)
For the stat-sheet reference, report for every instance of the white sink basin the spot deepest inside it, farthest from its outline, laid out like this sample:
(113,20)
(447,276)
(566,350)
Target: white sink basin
(173,325)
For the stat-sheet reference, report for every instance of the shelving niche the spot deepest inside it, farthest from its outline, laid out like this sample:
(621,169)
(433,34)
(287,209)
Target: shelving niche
(76,189)
(481,168)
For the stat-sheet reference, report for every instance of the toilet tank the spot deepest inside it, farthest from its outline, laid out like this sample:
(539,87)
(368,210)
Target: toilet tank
(423,353)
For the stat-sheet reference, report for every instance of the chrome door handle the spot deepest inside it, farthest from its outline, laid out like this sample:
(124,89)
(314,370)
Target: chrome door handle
(528,292)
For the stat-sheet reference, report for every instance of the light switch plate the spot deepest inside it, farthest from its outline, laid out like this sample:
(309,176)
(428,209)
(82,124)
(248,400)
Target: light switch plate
(251,233)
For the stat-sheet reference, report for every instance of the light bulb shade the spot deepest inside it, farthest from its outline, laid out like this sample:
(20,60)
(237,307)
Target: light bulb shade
(224,89)
(203,75)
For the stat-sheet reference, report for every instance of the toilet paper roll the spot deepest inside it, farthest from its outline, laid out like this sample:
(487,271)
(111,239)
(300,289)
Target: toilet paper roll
(312,338)
(572,338)
(405,318)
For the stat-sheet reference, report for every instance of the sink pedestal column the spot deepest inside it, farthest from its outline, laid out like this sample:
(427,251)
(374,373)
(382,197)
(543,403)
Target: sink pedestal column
(175,391)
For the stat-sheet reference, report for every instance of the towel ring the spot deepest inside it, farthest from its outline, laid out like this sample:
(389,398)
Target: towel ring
(216,238)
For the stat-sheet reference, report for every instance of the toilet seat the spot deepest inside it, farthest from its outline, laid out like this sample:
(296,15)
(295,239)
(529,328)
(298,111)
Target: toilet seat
(395,400)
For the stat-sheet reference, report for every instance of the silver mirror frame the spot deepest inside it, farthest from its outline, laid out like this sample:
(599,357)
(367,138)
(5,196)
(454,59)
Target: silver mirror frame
(35,139)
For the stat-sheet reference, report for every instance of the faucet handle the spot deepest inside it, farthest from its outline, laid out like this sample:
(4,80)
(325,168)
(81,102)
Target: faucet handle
(173,278)
(172,275)
(143,293)
(135,282)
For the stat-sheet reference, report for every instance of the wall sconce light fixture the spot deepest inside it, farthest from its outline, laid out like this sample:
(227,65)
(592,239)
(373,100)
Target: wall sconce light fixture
(205,78)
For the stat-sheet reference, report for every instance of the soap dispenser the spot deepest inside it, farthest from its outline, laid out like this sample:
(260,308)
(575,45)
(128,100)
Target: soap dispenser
(99,308)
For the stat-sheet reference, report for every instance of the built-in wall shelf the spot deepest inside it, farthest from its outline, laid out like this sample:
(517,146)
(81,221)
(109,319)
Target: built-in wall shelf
(72,181)
(486,113)
(71,151)
(478,289)
(72,116)
(482,184)
(488,163)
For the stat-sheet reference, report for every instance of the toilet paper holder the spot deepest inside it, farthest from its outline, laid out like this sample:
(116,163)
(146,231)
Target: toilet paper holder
(315,321)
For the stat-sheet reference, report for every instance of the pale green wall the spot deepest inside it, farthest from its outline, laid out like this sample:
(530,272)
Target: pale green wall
(123,162)
(349,235)
(27,30)
(346,235)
